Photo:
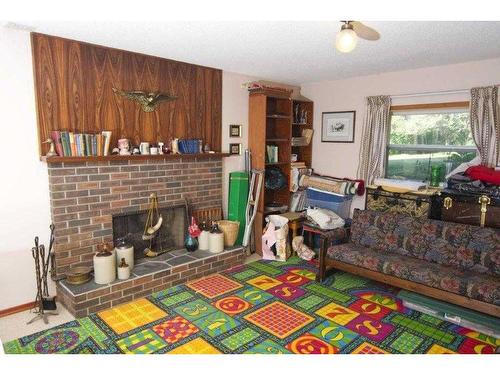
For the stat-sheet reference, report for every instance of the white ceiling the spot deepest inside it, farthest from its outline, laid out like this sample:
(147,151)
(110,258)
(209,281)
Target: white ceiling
(292,52)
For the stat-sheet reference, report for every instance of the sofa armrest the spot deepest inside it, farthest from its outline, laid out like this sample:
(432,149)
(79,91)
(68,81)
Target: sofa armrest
(328,238)
(336,236)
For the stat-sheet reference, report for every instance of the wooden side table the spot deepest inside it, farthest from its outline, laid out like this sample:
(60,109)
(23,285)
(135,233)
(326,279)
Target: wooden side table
(295,220)
(327,237)
(309,230)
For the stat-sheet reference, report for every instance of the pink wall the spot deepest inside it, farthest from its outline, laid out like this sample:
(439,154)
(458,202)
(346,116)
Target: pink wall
(341,160)
(234,111)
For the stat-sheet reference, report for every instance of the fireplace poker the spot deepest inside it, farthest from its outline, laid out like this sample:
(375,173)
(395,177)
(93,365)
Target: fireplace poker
(43,301)
(49,302)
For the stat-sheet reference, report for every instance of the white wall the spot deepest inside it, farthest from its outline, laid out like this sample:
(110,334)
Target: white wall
(24,195)
(341,159)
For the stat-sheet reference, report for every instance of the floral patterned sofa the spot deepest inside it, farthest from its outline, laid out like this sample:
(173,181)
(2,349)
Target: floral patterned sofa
(453,262)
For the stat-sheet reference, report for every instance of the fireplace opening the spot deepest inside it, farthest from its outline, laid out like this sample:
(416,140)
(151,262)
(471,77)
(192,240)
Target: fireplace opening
(169,237)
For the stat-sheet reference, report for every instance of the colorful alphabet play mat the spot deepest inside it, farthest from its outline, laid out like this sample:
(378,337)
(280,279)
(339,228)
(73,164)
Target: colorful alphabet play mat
(263,307)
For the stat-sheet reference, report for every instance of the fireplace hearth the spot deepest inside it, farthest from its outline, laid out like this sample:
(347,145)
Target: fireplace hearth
(150,275)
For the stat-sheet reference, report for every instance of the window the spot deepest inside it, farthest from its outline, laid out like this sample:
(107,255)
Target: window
(422,136)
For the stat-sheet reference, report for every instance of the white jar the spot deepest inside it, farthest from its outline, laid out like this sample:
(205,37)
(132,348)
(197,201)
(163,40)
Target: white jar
(204,240)
(124,250)
(104,268)
(123,272)
(204,237)
(216,240)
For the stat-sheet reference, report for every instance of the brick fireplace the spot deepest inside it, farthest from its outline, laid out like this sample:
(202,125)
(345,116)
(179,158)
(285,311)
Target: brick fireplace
(86,195)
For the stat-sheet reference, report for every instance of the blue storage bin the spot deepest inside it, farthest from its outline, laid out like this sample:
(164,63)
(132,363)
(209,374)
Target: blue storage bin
(340,204)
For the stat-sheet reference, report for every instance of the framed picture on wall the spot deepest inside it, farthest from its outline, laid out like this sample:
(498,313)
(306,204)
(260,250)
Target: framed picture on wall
(338,126)
(235,148)
(235,131)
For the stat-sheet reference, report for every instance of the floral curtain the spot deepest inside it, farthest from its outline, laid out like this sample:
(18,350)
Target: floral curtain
(374,142)
(484,121)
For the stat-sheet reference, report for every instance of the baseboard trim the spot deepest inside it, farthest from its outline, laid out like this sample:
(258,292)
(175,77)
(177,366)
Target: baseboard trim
(17,309)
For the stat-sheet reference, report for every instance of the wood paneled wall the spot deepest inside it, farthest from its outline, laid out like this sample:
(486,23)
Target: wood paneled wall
(74,81)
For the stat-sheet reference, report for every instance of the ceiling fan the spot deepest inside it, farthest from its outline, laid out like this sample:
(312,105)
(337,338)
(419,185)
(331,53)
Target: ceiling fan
(347,37)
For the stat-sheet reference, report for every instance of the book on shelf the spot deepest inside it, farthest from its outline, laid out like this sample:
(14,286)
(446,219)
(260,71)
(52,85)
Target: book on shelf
(93,140)
(77,144)
(81,145)
(72,144)
(99,144)
(65,143)
(83,150)
(88,145)
(272,154)
(107,140)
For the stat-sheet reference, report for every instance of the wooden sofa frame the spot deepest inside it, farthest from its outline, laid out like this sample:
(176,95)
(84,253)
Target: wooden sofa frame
(326,264)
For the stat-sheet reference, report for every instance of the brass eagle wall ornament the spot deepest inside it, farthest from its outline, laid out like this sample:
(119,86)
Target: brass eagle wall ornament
(148,101)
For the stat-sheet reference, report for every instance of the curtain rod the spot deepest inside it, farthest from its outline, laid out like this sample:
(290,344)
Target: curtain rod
(430,93)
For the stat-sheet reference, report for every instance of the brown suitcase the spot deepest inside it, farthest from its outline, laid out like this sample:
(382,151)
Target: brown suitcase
(466,208)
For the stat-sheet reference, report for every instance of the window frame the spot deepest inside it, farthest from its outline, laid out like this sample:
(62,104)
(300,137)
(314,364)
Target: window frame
(431,148)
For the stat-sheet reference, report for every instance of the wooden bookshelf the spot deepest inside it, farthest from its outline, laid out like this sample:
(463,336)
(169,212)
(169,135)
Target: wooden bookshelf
(271,122)
(83,159)
(304,153)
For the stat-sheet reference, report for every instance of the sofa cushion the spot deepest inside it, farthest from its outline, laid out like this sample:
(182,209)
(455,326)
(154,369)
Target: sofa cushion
(380,230)
(462,246)
(477,286)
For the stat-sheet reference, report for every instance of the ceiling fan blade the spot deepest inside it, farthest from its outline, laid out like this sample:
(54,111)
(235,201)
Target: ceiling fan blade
(364,31)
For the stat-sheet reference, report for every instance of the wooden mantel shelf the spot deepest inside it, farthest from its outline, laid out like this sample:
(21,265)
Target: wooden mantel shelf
(82,159)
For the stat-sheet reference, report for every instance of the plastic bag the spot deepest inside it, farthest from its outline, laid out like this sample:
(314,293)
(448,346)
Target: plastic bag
(275,237)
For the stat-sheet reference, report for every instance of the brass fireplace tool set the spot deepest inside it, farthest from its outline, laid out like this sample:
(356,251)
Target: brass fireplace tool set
(44,304)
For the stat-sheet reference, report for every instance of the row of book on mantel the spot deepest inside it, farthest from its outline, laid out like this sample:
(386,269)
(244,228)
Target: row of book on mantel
(77,144)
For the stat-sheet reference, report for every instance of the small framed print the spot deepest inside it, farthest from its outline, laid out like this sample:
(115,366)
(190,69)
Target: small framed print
(338,126)
(235,148)
(235,131)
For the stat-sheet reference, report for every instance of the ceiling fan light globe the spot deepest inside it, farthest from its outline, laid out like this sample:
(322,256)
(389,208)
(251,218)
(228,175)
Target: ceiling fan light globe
(346,40)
